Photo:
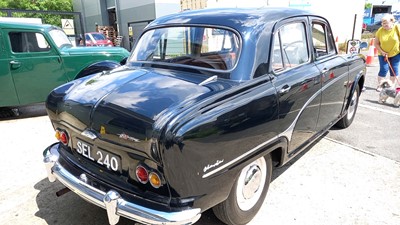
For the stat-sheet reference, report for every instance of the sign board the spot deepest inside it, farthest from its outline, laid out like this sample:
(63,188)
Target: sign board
(353,46)
(68,26)
(130,31)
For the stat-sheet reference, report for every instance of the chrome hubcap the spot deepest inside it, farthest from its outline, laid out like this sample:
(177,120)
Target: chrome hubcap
(352,106)
(251,184)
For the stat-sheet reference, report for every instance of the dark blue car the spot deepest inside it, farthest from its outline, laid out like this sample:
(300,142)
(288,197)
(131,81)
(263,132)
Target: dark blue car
(208,103)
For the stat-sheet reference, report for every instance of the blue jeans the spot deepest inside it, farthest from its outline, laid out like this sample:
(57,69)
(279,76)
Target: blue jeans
(384,66)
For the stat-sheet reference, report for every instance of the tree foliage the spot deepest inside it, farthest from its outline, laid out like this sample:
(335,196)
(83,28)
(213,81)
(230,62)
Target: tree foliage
(44,5)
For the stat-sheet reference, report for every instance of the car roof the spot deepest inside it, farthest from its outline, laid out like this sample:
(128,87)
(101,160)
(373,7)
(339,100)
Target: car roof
(20,25)
(254,25)
(239,19)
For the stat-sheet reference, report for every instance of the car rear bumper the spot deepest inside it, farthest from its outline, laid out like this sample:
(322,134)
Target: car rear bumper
(112,201)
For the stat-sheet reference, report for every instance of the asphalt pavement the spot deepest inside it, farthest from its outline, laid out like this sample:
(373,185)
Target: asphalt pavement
(349,177)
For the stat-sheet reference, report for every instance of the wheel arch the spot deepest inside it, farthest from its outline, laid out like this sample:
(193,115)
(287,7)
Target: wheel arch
(98,67)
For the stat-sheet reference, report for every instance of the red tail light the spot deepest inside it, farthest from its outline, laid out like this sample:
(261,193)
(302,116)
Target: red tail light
(142,174)
(62,136)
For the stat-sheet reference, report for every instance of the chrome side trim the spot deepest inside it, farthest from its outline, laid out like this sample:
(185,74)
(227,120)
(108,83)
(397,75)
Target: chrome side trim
(89,134)
(115,205)
(239,158)
(289,131)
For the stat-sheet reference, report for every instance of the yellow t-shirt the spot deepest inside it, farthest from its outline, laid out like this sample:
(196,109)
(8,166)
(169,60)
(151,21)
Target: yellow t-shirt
(389,40)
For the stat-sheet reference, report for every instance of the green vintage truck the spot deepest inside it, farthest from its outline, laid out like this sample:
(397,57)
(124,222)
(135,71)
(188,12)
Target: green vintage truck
(36,58)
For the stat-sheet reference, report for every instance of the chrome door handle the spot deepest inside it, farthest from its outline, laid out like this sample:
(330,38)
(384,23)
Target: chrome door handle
(285,89)
(15,64)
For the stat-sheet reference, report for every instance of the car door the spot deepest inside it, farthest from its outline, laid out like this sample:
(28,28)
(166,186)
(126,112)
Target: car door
(35,66)
(7,89)
(297,81)
(334,73)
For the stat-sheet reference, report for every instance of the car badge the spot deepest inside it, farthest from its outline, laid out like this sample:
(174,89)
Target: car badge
(89,134)
(216,164)
(127,137)
(102,130)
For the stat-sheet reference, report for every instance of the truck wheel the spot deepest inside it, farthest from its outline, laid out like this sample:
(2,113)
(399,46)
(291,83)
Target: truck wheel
(247,194)
(351,111)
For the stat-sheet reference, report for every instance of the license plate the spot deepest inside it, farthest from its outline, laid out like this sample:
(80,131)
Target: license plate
(104,158)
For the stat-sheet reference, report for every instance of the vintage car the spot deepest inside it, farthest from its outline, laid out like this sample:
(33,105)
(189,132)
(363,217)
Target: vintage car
(97,39)
(208,103)
(36,58)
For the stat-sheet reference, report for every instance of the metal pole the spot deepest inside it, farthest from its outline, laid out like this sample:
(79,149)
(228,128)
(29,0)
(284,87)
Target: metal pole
(354,26)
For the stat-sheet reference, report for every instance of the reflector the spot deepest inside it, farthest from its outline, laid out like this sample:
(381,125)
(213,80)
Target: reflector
(155,180)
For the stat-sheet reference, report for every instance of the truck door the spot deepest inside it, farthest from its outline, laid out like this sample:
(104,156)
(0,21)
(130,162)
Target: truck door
(35,66)
(7,90)
(297,82)
(334,73)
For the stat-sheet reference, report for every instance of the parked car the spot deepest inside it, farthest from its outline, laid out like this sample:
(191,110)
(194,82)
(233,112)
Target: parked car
(208,103)
(36,58)
(373,27)
(97,39)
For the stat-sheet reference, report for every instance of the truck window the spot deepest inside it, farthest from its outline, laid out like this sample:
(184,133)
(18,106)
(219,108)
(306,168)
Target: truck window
(28,42)
(290,47)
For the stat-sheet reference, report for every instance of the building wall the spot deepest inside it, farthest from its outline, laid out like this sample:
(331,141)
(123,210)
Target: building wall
(92,13)
(135,14)
(138,13)
(193,4)
(341,18)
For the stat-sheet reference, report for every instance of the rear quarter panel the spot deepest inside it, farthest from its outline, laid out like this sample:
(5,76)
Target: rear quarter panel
(215,139)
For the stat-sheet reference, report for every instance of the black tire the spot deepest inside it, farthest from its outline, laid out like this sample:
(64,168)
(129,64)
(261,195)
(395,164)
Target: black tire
(238,208)
(351,111)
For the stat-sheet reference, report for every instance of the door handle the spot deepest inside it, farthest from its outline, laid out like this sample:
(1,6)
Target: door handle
(324,71)
(15,64)
(285,89)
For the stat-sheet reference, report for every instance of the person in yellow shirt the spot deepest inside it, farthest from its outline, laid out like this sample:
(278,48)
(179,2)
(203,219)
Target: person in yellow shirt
(387,42)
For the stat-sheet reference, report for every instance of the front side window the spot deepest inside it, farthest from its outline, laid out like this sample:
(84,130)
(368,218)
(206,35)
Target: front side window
(205,47)
(22,42)
(322,41)
(290,47)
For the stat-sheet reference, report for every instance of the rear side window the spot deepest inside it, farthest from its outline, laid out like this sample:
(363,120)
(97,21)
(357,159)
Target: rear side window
(290,47)
(28,42)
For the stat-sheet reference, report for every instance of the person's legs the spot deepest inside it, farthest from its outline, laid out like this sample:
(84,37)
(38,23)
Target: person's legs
(394,62)
(383,69)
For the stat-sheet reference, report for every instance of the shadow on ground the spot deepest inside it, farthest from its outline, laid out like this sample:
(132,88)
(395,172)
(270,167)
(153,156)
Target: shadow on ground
(9,113)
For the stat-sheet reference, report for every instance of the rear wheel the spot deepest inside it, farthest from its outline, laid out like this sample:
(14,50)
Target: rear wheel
(351,111)
(247,194)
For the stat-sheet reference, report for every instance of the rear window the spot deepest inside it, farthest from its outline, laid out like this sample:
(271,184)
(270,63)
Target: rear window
(206,47)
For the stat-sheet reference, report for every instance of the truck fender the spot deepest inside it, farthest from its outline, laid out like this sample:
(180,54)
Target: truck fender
(98,67)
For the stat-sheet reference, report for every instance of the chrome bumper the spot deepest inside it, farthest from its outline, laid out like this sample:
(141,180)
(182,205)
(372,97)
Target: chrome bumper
(115,205)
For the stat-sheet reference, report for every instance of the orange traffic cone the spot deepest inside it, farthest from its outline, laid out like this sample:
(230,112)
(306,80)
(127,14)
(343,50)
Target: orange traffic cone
(370,56)
(372,44)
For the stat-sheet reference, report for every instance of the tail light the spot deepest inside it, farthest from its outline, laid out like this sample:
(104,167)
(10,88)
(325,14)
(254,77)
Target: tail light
(62,136)
(144,175)
(155,180)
